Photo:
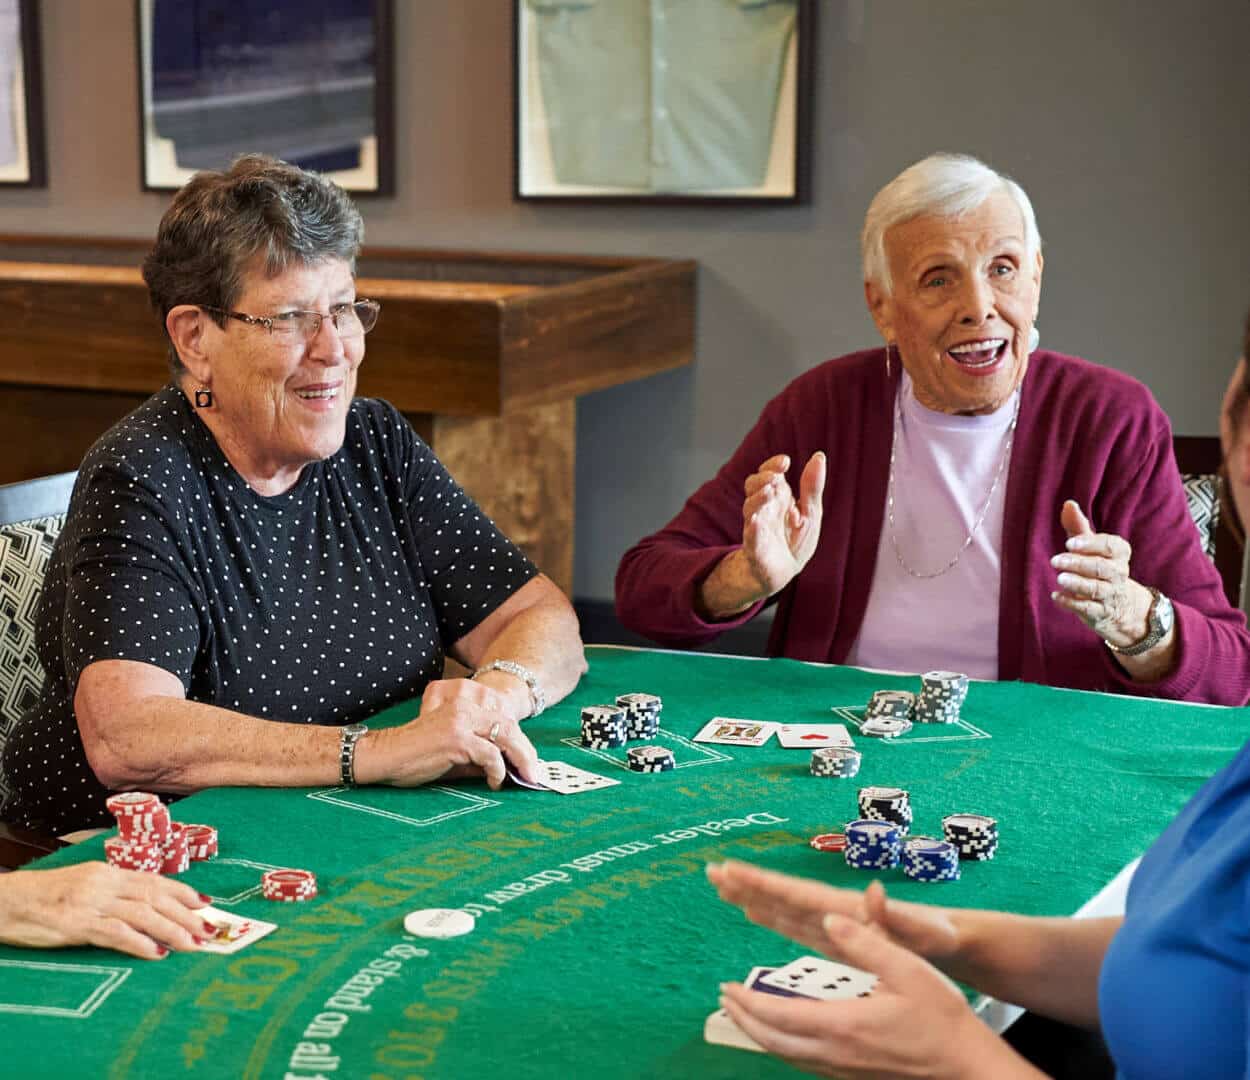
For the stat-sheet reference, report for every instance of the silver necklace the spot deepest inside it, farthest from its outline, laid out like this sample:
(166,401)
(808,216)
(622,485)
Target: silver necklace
(985,508)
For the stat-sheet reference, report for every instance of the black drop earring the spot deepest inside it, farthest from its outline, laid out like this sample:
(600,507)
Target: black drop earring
(203,398)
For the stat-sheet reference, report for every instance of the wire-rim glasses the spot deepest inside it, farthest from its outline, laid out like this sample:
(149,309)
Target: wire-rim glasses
(350,320)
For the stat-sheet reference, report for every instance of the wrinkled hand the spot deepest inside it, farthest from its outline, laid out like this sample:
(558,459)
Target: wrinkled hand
(916,1022)
(93,903)
(471,694)
(780,533)
(1094,582)
(450,740)
(796,908)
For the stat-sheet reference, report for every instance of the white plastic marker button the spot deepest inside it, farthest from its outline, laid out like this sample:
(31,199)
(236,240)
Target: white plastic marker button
(439,922)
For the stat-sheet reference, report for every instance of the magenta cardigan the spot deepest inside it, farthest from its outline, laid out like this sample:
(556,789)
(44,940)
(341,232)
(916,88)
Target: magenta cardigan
(1085,432)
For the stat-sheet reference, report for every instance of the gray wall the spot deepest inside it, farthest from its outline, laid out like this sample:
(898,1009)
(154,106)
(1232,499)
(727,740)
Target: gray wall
(1126,121)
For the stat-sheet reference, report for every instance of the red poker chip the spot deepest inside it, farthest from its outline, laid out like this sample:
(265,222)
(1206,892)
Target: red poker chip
(128,856)
(176,857)
(830,841)
(132,802)
(288,884)
(201,841)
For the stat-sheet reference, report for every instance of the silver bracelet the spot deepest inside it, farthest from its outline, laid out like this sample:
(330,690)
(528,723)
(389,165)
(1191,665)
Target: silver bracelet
(348,737)
(538,700)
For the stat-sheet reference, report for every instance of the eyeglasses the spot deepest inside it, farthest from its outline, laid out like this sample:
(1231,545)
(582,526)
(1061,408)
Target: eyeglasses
(350,320)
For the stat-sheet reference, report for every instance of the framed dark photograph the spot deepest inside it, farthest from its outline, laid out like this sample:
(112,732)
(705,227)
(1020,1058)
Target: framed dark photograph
(22,159)
(678,101)
(312,84)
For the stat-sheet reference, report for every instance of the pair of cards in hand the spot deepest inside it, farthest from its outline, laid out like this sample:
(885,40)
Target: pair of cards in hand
(560,777)
(730,732)
(807,977)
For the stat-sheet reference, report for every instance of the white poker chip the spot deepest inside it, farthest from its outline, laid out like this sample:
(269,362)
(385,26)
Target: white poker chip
(439,922)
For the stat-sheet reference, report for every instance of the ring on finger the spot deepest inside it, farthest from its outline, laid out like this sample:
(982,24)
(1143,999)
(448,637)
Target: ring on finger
(494,731)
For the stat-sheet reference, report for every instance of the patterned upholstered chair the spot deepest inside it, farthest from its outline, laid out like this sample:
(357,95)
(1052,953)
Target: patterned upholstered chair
(31,515)
(1199,458)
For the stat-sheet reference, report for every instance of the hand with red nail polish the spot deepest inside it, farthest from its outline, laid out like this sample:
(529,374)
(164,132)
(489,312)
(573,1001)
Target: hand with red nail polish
(145,915)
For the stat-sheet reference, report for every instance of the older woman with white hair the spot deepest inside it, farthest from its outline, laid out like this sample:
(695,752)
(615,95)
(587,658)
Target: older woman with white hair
(959,498)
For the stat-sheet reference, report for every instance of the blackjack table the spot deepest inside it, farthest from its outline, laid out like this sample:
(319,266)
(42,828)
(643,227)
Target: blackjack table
(598,944)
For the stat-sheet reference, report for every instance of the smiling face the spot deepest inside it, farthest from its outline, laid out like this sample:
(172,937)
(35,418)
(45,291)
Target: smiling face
(278,406)
(965,296)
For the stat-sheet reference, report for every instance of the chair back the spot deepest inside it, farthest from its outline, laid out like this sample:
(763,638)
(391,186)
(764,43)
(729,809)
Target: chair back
(1199,458)
(32,513)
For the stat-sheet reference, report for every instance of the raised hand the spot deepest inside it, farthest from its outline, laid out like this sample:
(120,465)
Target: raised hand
(779,532)
(1094,582)
(796,908)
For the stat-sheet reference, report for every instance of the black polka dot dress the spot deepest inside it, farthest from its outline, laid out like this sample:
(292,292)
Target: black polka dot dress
(322,605)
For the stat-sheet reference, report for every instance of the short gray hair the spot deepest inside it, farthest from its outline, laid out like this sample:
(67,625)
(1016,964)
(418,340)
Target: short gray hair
(219,222)
(941,185)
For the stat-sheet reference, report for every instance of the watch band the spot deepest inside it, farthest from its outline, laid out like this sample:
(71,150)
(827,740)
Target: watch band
(348,737)
(1158,623)
(538,700)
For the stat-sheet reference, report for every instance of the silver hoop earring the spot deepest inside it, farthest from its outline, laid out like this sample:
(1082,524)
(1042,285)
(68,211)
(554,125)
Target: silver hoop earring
(1034,338)
(887,359)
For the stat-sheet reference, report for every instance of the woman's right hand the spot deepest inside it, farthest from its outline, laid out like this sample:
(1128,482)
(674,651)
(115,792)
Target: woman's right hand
(796,908)
(93,903)
(780,532)
(451,740)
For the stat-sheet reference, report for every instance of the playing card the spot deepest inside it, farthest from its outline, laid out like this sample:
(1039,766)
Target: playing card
(816,977)
(569,779)
(731,732)
(512,774)
(719,1029)
(813,736)
(753,982)
(233,932)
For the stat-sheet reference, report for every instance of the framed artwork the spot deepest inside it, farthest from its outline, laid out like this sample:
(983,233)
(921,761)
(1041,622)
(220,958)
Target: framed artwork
(22,159)
(312,84)
(663,101)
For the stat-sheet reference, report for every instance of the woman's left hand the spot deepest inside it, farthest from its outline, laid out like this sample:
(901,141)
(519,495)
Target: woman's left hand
(914,1023)
(510,700)
(1094,582)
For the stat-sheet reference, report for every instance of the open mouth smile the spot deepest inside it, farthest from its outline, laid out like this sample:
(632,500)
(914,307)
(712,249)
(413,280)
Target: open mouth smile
(979,357)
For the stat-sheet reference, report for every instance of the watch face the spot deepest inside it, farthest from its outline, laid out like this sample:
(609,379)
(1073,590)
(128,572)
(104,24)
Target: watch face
(1164,614)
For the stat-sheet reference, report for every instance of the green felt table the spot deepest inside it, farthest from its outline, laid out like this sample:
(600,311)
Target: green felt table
(599,945)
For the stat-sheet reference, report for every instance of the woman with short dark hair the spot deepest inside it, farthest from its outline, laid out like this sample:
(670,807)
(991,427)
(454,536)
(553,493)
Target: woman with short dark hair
(255,561)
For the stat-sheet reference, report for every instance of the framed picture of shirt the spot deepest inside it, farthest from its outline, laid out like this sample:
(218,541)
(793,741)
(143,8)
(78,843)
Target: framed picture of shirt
(307,81)
(22,159)
(679,101)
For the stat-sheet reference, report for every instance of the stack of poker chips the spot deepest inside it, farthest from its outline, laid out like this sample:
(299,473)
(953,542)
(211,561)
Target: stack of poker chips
(941,695)
(886,804)
(650,758)
(839,761)
(144,833)
(289,886)
(889,713)
(603,727)
(177,857)
(926,858)
(973,835)
(201,841)
(642,715)
(872,845)
(148,840)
